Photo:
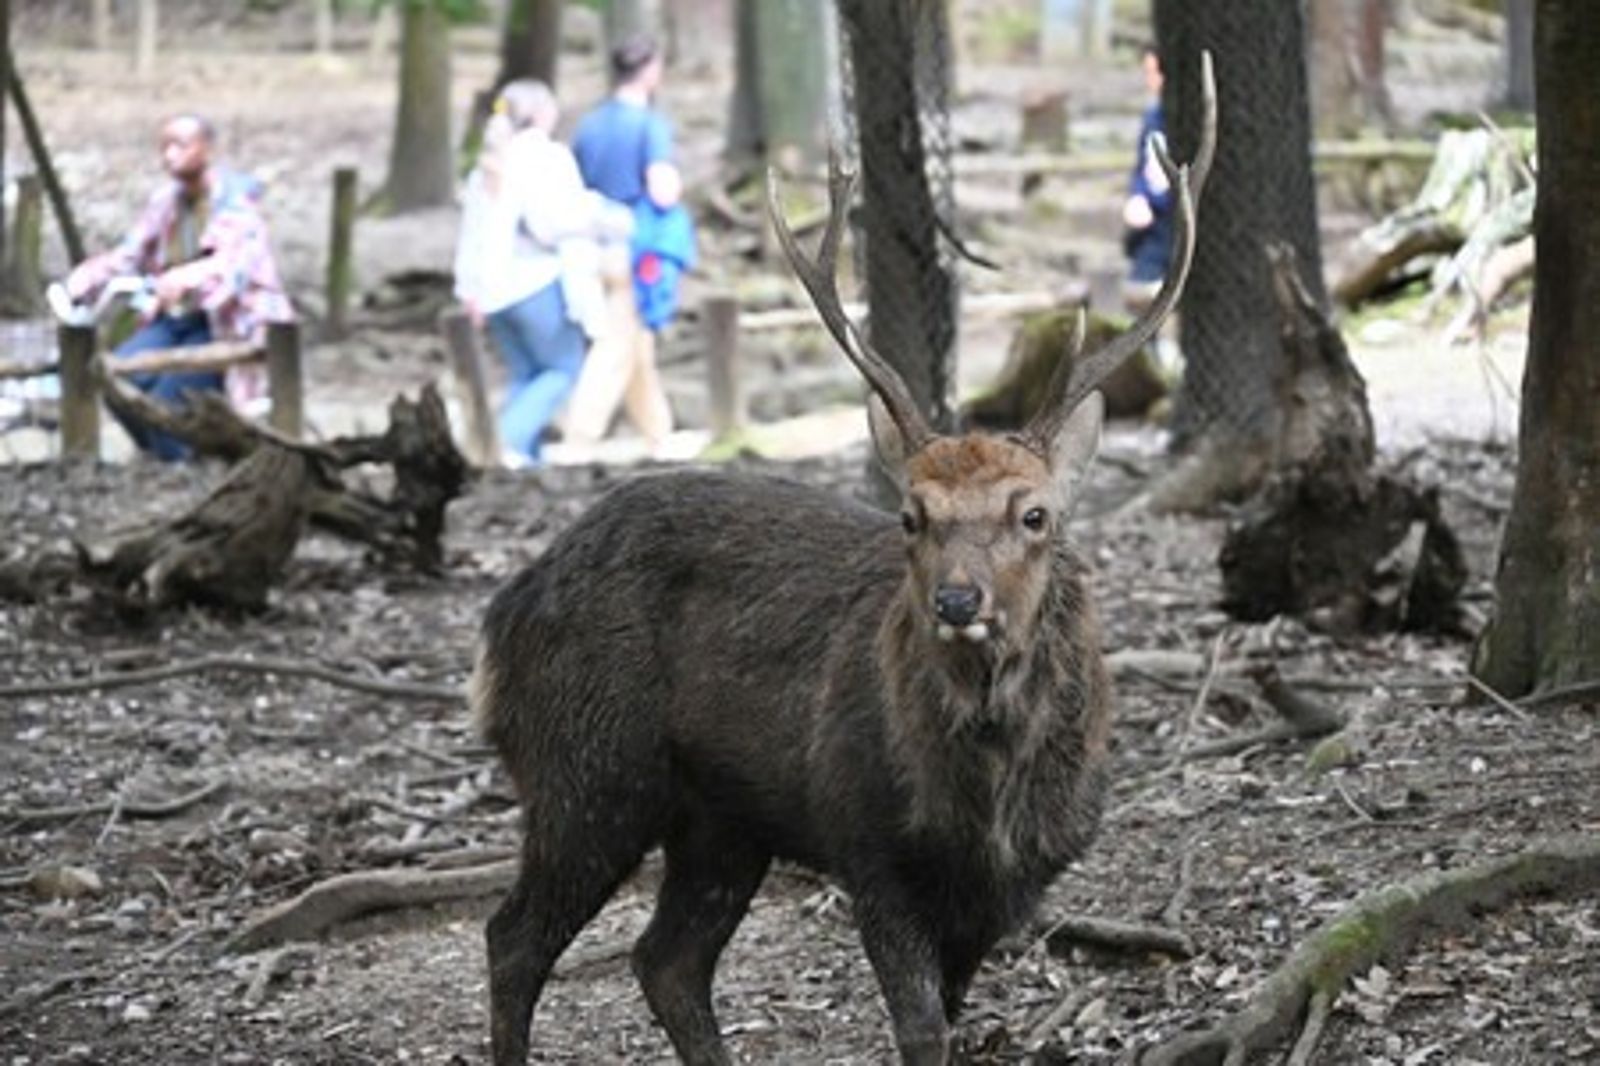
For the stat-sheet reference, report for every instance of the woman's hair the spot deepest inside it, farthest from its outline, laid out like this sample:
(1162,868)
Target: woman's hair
(521,104)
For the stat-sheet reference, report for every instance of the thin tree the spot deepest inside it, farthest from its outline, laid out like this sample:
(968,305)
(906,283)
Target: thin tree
(1545,632)
(421,161)
(785,76)
(1261,194)
(1519,55)
(530,41)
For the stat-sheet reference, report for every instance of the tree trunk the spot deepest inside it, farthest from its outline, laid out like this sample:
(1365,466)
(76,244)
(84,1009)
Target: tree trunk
(796,62)
(746,141)
(1372,33)
(1261,192)
(1336,109)
(6,60)
(699,32)
(625,18)
(1546,629)
(144,54)
(1519,55)
(530,42)
(421,173)
(910,289)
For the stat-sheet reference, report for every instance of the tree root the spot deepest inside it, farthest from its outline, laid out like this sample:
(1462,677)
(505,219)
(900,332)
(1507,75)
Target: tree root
(339,899)
(126,808)
(1381,923)
(237,664)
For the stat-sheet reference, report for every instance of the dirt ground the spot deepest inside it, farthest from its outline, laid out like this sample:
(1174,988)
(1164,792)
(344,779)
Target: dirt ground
(126,960)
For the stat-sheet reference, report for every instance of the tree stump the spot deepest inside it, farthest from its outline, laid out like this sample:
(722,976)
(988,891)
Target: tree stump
(1327,539)
(1041,342)
(226,552)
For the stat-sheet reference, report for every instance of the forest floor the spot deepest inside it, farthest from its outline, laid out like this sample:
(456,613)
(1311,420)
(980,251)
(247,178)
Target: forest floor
(125,960)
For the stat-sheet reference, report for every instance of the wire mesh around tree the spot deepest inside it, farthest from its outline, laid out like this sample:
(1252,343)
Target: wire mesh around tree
(895,121)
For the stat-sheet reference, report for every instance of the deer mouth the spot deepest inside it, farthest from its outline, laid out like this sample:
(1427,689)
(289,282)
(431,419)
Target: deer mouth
(979,632)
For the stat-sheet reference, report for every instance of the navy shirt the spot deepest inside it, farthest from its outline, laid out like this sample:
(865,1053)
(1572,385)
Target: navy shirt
(616,143)
(1151,247)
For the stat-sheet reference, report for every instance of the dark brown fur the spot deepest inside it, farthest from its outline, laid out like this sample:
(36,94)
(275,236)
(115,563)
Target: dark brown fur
(743,669)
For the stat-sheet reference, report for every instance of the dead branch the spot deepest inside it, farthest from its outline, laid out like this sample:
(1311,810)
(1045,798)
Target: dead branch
(237,664)
(1128,938)
(277,964)
(339,899)
(1382,924)
(129,808)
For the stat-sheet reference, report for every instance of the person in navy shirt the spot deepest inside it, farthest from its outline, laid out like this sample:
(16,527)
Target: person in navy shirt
(624,152)
(1147,212)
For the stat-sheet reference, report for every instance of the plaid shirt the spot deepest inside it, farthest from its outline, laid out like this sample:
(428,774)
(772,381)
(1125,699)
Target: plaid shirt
(241,291)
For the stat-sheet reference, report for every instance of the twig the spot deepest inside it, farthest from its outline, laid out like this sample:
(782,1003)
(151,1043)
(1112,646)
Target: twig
(1065,1009)
(277,963)
(129,808)
(453,813)
(1500,701)
(1200,699)
(237,664)
(1172,913)
(1355,808)
(1578,692)
(1126,937)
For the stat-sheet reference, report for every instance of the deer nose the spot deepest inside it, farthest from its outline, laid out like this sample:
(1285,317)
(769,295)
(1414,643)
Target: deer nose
(957,605)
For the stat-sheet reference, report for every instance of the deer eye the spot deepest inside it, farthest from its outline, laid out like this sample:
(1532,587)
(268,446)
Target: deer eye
(1034,518)
(908,522)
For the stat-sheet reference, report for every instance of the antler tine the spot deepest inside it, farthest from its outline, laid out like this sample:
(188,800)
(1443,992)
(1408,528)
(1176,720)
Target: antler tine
(820,279)
(1068,389)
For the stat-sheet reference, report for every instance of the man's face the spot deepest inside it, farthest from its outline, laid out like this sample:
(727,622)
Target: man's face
(1152,74)
(185,152)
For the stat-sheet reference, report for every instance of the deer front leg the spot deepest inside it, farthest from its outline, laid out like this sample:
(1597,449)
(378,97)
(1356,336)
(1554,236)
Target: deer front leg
(905,957)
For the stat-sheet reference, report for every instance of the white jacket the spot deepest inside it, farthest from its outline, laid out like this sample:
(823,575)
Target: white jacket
(542,226)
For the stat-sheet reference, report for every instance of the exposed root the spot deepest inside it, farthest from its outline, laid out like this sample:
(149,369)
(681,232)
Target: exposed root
(1382,923)
(339,899)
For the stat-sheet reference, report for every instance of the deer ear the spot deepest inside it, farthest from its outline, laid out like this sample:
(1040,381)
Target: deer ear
(1077,442)
(888,439)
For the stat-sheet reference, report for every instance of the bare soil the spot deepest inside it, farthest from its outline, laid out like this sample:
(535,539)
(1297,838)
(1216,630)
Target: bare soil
(1246,853)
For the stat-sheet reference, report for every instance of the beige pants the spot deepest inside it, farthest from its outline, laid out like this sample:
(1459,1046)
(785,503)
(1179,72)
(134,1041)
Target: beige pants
(619,369)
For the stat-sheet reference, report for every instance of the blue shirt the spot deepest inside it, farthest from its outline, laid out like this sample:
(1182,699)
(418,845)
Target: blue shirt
(616,143)
(1150,248)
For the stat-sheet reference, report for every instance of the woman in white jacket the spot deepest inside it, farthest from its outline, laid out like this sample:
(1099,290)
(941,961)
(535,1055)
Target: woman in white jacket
(527,260)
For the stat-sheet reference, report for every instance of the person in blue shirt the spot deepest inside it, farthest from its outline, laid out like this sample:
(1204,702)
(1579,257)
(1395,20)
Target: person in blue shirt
(1147,212)
(624,152)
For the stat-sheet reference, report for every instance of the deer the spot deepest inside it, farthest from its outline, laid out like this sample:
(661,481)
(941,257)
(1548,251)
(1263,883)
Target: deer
(741,669)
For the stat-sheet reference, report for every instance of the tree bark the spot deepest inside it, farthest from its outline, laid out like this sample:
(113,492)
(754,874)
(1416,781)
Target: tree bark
(911,293)
(1546,628)
(1261,192)
(421,171)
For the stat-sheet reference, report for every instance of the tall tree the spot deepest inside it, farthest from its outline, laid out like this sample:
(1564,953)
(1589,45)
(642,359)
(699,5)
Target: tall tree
(421,171)
(785,75)
(530,41)
(1519,54)
(1546,627)
(911,286)
(1261,193)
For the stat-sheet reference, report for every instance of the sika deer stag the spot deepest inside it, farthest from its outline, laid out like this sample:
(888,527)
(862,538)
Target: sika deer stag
(740,669)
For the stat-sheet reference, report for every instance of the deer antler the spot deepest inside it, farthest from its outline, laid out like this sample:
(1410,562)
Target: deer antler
(819,276)
(1069,387)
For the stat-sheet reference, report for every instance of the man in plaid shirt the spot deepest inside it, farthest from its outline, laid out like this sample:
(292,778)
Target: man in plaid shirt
(202,243)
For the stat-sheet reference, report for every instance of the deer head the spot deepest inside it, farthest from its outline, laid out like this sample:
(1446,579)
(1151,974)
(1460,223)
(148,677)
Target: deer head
(983,514)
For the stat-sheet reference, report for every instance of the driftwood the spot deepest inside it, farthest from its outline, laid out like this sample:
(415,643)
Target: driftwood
(347,896)
(231,548)
(1380,924)
(1326,538)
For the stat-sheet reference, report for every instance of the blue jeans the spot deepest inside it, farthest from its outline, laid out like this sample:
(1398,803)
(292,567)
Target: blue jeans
(165,331)
(543,351)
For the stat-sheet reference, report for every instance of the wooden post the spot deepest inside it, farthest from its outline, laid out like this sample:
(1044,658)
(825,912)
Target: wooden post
(24,272)
(144,56)
(285,379)
(341,245)
(720,313)
(322,27)
(100,25)
(80,398)
(482,442)
(1044,121)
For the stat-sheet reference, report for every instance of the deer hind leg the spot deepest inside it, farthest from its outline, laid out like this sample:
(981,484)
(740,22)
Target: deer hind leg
(710,878)
(569,870)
